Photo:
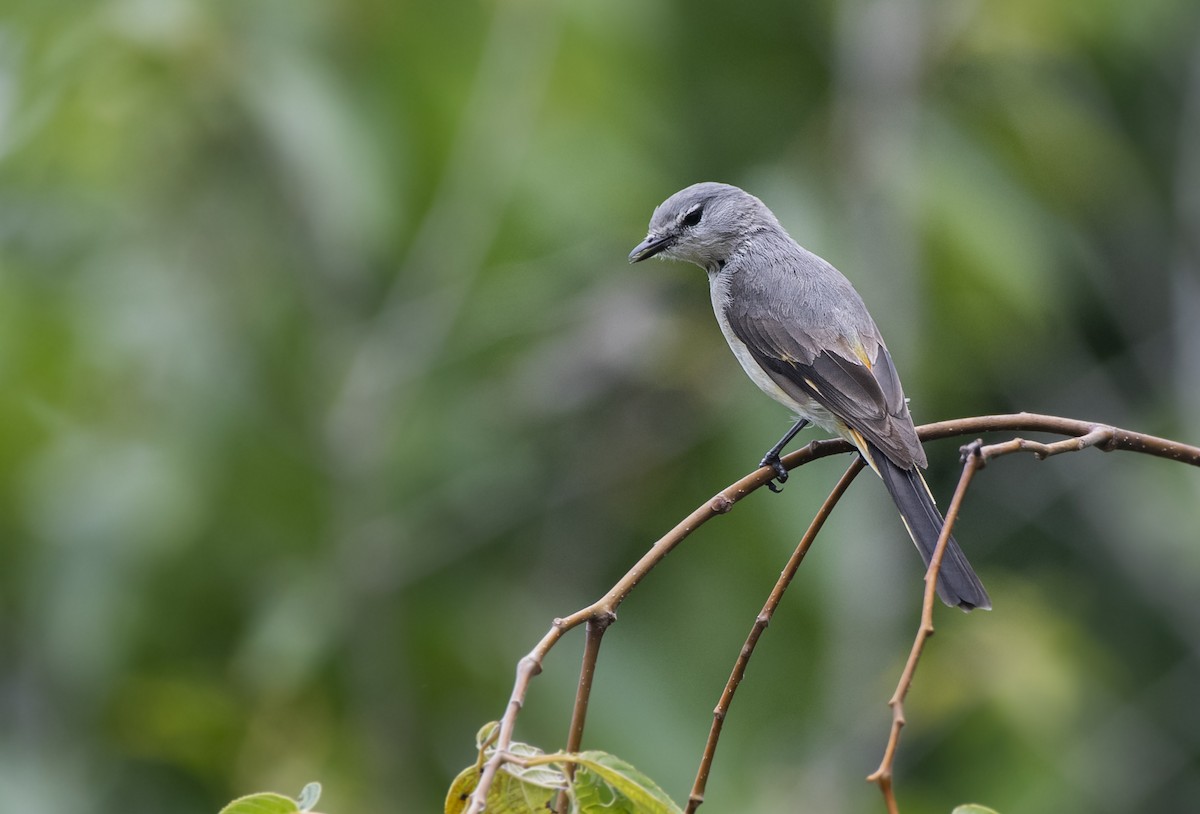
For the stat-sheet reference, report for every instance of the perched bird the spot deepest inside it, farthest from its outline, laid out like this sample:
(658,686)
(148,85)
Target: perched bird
(803,335)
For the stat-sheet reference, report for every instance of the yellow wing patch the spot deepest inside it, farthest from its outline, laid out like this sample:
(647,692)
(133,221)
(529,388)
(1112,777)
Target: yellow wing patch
(861,353)
(855,437)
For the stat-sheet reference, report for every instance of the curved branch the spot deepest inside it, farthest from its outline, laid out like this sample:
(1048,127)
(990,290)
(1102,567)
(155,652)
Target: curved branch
(760,624)
(975,456)
(1080,434)
(882,776)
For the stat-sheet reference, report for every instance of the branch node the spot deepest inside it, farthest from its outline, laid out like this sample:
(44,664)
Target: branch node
(530,665)
(1109,435)
(973,450)
(720,504)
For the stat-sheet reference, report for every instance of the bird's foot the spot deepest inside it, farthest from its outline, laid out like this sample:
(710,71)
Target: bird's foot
(781,474)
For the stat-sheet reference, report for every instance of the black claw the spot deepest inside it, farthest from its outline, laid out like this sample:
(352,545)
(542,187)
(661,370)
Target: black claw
(781,474)
(771,459)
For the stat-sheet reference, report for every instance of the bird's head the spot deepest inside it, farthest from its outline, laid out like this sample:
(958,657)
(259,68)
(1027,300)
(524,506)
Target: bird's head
(703,224)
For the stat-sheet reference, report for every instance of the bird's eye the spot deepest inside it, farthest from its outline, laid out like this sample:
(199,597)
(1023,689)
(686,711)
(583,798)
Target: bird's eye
(693,216)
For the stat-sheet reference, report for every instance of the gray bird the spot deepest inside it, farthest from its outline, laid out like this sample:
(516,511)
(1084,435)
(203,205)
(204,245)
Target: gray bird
(803,335)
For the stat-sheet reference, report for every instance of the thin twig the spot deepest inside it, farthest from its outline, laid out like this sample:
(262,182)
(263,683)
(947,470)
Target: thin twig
(587,673)
(883,775)
(760,624)
(1073,428)
(975,456)
(606,607)
(1099,436)
(591,653)
(1102,436)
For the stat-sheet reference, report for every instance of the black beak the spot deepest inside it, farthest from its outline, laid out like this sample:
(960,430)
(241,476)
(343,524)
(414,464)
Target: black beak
(649,247)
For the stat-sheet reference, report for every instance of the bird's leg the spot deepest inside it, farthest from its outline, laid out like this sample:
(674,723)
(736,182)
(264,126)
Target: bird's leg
(771,459)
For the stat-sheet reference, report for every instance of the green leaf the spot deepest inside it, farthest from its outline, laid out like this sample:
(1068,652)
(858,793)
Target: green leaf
(605,784)
(266,802)
(602,783)
(973,808)
(514,791)
(487,735)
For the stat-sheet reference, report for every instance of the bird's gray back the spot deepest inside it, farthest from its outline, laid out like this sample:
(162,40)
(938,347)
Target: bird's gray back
(810,330)
(793,292)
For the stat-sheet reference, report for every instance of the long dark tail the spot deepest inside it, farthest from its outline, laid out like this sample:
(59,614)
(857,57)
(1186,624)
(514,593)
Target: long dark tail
(957,583)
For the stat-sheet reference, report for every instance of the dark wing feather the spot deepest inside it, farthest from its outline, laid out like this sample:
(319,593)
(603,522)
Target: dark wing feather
(867,398)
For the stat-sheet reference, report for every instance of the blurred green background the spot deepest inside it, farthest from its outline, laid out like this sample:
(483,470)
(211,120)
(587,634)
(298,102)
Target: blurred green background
(327,386)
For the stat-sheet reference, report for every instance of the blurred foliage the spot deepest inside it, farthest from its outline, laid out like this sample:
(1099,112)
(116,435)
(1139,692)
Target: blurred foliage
(328,387)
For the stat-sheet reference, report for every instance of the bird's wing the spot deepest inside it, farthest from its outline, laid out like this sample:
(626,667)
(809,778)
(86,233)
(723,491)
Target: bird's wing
(849,373)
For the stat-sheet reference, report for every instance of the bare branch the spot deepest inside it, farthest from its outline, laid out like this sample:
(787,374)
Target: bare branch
(591,654)
(760,624)
(883,775)
(1080,435)
(605,607)
(1099,436)
(975,456)
(1073,428)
